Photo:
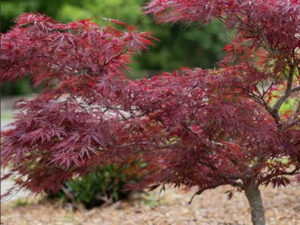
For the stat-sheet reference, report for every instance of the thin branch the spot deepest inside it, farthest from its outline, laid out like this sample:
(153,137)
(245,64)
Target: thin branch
(281,173)
(260,99)
(295,89)
(289,90)
(292,123)
(204,189)
(72,198)
(113,58)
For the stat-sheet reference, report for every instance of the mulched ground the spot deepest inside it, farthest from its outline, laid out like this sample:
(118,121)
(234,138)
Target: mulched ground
(171,208)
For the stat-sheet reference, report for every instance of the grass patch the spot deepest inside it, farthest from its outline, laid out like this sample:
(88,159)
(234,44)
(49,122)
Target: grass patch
(20,202)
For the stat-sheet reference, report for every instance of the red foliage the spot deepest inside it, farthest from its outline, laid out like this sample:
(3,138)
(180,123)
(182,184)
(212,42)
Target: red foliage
(194,127)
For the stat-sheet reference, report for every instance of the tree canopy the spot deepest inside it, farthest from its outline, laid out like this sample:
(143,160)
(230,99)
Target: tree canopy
(193,127)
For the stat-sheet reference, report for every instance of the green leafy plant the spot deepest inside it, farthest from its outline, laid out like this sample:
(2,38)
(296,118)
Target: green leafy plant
(103,186)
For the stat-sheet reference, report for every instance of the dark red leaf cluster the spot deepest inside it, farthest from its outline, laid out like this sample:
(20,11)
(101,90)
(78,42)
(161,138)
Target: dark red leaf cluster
(273,23)
(50,51)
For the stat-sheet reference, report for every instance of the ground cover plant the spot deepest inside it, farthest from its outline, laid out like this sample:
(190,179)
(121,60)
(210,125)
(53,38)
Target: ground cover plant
(193,127)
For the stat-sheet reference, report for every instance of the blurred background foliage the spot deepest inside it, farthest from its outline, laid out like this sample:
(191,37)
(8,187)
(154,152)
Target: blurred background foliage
(179,45)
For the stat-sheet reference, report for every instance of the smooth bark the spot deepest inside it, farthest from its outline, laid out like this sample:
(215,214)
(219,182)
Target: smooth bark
(256,205)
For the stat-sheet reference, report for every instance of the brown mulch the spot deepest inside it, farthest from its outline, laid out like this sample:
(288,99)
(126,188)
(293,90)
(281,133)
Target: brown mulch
(171,208)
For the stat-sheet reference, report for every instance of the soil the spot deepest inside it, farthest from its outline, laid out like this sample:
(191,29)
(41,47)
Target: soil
(170,208)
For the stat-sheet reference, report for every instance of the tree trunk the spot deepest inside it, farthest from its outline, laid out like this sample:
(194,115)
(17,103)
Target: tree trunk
(256,205)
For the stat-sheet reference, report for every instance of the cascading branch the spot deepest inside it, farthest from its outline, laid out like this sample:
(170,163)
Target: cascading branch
(81,68)
(194,127)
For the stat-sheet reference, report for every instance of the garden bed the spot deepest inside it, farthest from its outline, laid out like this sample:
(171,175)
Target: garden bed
(171,208)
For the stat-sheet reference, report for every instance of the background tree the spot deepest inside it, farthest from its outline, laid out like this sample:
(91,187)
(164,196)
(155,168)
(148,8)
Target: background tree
(194,127)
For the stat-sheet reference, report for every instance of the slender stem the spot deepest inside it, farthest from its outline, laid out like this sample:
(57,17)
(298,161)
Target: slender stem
(72,198)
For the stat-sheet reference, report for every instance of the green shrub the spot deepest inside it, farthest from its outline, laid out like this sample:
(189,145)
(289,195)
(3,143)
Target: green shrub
(105,185)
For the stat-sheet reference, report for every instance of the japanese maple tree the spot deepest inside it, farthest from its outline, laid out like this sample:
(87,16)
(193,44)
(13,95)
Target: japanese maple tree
(193,127)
